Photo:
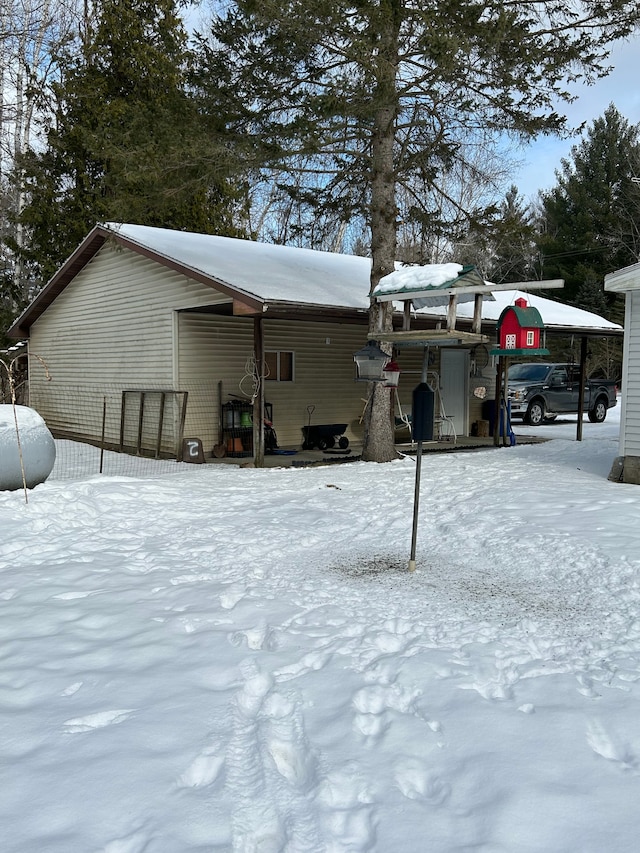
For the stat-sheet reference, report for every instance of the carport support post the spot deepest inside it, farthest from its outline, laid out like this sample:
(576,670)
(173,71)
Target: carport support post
(258,403)
(583,372)
(416,492)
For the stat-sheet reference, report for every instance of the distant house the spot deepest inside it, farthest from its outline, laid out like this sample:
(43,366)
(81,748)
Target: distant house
(148,333)
(627,466)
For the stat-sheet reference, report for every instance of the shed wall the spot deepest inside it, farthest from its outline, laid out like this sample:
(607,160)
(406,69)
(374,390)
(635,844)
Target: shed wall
(214,349)
(112,328)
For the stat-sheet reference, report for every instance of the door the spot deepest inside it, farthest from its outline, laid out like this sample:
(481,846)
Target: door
(561,396)
(454,387)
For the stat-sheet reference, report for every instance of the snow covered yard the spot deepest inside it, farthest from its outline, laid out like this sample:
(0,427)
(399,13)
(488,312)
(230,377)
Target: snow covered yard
(216,659)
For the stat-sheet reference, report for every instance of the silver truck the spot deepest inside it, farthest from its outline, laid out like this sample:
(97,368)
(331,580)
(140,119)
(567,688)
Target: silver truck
(540,391)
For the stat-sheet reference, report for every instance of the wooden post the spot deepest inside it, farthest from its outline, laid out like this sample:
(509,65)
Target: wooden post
(451,312)
(406,317)
(258,403)
(476,325)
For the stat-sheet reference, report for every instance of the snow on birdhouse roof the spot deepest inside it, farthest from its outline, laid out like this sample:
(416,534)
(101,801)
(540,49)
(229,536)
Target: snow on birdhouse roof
(429,285)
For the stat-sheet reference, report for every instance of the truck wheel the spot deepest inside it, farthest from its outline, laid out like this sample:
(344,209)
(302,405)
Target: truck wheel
(535,413)
(599,411)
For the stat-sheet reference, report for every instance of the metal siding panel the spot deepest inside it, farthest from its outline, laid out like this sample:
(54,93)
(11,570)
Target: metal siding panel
(213,349)
(111,328)
(324,378)
(630,416)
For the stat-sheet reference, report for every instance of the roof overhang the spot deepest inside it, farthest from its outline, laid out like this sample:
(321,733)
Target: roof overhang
(277,310)
(628,278)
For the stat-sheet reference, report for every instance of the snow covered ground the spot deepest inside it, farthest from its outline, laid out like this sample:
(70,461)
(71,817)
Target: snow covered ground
(209,658)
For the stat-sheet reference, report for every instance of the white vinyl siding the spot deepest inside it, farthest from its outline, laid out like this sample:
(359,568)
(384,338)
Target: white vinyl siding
(630,426)
(111,328)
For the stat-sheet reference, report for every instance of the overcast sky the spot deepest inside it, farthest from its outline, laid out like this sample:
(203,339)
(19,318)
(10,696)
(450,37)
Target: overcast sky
(620,88)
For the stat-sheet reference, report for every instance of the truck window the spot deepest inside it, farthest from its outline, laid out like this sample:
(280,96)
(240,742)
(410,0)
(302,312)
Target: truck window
(559,376)
(528,372)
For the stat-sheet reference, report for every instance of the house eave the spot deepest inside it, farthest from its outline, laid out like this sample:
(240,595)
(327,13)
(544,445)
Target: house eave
(92,243)
(627,278)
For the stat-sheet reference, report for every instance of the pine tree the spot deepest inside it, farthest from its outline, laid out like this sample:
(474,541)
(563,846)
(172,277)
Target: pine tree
(126,142)
(592,216)
(375,92)
(512,252)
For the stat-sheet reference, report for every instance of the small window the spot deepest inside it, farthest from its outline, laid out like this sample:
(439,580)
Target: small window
(530,338)
(278,366)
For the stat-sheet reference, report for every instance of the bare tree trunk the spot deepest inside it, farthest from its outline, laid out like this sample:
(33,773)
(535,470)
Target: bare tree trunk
(379,430)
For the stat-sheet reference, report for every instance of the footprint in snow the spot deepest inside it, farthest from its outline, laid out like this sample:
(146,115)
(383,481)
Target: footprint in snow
(231,597)
(416,782)
(270,770)
(261,636)
(135,843)
(205,769)
(91,722)
(611,747)
(7,594)
(373,704)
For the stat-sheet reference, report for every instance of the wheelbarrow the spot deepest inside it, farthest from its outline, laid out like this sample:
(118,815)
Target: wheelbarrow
(324,436)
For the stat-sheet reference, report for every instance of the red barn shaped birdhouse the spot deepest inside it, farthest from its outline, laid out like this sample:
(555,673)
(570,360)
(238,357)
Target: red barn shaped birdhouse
(519,329)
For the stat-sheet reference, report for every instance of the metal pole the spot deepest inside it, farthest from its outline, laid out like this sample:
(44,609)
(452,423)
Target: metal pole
(104,420)
(416,492)
(581,386)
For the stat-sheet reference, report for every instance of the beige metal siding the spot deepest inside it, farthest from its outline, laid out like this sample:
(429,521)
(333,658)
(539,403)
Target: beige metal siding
(213,349)
(120,324)
(324,378)
(111,328)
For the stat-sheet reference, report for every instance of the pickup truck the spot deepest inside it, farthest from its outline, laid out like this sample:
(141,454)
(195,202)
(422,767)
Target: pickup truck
(540,391)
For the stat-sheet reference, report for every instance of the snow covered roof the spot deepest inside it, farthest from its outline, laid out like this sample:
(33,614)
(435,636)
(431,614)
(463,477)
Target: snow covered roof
(268,276)
(263,270)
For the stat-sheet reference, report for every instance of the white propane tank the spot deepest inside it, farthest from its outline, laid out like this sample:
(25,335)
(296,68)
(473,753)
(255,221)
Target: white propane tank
(36,443)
